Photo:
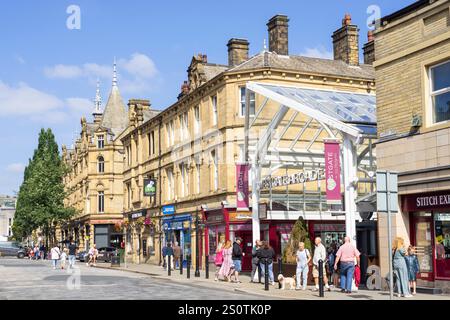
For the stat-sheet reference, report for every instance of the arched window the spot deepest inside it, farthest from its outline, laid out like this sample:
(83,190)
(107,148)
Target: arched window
(101,164)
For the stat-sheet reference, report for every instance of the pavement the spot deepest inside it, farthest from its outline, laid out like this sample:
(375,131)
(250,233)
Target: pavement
(24,279)
(157,272)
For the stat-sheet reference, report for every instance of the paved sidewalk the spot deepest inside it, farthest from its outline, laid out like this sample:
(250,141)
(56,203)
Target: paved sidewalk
(253,288)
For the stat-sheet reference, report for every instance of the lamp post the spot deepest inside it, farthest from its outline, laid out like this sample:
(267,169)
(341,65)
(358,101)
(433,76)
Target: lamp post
(197,249)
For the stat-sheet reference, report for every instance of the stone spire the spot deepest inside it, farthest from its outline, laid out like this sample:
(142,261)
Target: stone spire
(98,105)
(115,116)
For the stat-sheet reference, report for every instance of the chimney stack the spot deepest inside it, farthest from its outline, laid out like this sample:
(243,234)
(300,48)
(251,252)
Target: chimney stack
(369,49)
(346,42)
(278,34)
(237,51)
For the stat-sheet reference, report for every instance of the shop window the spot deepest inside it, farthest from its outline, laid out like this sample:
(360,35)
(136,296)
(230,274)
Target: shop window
(442,243)
(440,91)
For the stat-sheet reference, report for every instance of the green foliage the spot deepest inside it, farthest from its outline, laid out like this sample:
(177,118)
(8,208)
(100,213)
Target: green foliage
(299,234)
(41,195)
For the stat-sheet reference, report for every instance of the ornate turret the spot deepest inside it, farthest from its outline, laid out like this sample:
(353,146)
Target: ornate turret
(98,113)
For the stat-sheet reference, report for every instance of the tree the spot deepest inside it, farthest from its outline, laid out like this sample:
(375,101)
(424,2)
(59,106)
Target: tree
(298,234)
(40,202)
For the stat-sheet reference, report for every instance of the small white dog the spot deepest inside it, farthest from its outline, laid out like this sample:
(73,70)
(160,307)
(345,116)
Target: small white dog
(284,281)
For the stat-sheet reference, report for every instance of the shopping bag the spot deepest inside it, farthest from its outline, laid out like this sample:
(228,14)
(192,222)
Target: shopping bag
(256,276)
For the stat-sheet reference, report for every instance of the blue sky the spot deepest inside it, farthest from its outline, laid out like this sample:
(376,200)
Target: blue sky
(48,72)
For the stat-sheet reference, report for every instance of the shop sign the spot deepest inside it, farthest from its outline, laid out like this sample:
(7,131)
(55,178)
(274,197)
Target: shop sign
(168,209)
(149,187)
(214,218)
(240,215)
(103,221)
(137,215)
(296,178)
(329,227)
(333,172)
(426,201)
(263,210)
(242,201)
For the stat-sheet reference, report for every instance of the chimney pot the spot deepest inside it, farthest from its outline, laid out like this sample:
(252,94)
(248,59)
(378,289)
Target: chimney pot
(278,34)
(370,36)
(346,42)
(237,51)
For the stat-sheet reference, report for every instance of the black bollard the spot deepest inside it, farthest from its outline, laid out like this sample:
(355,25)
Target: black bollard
(266,275)
(259,272)
(206,267)
(181,264)
(321,279)
(280,271)
(169,269)
(188,267)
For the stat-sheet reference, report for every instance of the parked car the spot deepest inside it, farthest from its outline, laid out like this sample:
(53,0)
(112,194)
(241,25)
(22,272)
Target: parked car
(12,249)
(82,256)
(105,253)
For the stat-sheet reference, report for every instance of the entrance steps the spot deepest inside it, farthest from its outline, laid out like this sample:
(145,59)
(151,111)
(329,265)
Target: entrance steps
(429,290)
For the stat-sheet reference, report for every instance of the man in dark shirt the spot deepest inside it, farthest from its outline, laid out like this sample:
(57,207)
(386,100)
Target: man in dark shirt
(72,252)
(237,258)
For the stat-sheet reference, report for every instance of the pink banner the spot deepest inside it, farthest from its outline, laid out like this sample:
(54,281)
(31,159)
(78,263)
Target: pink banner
(242,187)
(333,172)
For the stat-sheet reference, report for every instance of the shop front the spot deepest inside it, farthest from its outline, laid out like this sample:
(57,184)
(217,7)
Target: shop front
(429,215)
(177,228)
(107,234)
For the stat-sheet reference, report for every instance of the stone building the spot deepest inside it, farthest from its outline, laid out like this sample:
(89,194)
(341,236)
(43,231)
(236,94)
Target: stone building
(94,181)
(412,51)
(190,149)
(7,212)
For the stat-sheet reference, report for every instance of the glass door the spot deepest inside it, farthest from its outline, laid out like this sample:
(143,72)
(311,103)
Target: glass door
(423,241)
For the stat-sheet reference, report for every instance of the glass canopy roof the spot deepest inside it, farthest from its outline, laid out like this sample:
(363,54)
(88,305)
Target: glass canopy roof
(343,106)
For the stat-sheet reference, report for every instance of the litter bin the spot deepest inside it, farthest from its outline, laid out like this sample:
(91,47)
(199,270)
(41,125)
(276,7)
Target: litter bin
(115,261)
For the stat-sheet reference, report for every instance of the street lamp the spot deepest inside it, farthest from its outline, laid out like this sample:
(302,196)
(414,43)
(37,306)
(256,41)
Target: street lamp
(198,228)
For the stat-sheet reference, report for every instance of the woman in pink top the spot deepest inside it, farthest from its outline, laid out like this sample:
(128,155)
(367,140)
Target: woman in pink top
(346,255)
(227,263)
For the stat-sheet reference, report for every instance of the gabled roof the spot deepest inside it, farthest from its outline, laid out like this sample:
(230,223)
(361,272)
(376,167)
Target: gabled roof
(329,67)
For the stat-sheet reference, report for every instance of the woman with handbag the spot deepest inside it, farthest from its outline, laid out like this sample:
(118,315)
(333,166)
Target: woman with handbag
(400,268)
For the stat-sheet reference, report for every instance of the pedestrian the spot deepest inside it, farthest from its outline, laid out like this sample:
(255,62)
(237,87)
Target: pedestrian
(266,255)
(333,274)
(93,252)
(400,268)
(63,258)
(413,268)
(170,253)
(176,255)
(72,253)
(256,270)
(237,258)
(55,254)
(346,256)
(227,264)
(36,252)
(320,253)
(164,254)
(218,259)
(303,258)
(42,251)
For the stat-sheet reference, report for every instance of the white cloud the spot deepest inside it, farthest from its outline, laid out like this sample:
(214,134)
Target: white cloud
(134,73)
(139,65)
(15,168)
(318,52)
(23,100)
(61,71)
(19,59)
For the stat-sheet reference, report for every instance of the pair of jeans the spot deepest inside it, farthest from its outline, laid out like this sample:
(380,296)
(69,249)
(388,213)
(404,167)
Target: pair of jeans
(270,267)
(347,270)
(71,261)
(54,262)
(256,267)
(302,273)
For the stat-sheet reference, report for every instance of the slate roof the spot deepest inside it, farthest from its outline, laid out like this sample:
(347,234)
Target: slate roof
(307,65)
(212,70)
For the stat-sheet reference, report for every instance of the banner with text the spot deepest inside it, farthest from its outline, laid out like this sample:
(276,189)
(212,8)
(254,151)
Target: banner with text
(242,201)
(333,172)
